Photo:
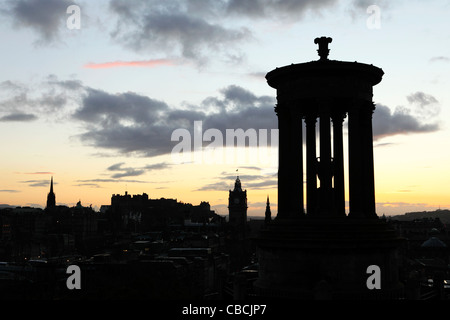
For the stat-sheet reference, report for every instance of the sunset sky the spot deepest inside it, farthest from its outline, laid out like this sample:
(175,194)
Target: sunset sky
(94,101)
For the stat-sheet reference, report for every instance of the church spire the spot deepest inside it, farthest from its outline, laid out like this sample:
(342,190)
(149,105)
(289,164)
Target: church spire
(268,213)
(51,202)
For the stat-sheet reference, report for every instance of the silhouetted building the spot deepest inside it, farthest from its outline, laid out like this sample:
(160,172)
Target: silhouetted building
(237,208)
(425,256)
(31,233)
(22,234)
(320,252)
(138,213)
(51,200)
(238,242)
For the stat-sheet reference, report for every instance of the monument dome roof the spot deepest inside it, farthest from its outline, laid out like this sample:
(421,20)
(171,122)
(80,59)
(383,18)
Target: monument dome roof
(434,243)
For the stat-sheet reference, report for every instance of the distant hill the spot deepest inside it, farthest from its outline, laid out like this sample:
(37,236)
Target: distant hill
(3,206)
(443,215)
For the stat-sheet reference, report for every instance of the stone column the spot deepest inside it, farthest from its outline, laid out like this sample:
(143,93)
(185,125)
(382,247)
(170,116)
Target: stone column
(368,163)
(283,145)
(361,171)
(296,166)
(290,164)
(325,174)
(338,164)
(355,169)
(311,165)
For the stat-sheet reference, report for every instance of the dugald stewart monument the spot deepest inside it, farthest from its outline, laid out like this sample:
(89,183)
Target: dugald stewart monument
(313,249)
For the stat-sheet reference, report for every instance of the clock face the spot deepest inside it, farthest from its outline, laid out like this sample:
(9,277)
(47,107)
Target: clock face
(236,200)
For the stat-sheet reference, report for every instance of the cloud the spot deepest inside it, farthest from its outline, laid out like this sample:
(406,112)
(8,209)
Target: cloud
(45,17)
(275,9)
(157,166)
(144,63)
(133,124)
(198,30)
(421,98)
(440,59)
(240,108)
(9,191)
(426,106)
(115,167)
(239,95)
(257,75)
(192,30)
(129,122)
(383,144)
(10,85)
(69,85)
(18,117)
(126,122)
(250,168)
(124,172)
(357,9)
(39,172)
(216,186)
(38,183)
(47,98)
(100,106)
(401,121)
(92,185)
(175,27)
(265,184)
(130,172)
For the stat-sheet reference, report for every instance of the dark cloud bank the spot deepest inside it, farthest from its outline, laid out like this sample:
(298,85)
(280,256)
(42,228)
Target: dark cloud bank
(128,122)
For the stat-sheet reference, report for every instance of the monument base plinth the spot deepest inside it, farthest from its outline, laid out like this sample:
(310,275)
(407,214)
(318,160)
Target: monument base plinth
(327,258)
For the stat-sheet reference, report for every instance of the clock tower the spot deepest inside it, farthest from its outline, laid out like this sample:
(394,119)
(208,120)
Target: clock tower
(237,207)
